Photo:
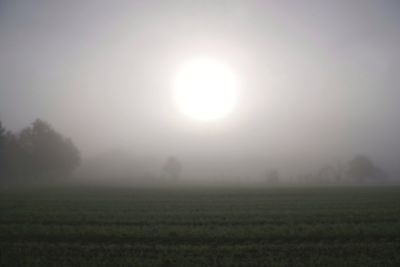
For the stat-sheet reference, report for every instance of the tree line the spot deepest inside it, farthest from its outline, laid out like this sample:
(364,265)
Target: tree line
(359,170)
(39,153)
(36,153)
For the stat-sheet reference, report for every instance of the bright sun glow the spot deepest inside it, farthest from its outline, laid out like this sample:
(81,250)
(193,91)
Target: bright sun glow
(205,89)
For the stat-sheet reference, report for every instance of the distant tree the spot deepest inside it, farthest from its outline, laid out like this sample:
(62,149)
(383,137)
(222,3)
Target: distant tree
(331,173)
(273,177)
(36,152)
(340,171)
(2,134)
(362,169)
(325,174)
(14,158)
(2,150)
(47,153)
(172,169)
(304,178)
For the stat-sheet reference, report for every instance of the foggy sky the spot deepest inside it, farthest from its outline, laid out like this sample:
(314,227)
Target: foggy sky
(319,79)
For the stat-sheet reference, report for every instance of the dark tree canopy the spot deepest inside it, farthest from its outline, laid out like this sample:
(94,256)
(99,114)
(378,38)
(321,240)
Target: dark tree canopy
(37,152)
(362,169)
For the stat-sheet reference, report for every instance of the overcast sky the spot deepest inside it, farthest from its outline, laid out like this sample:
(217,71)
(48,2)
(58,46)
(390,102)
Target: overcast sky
(319,79)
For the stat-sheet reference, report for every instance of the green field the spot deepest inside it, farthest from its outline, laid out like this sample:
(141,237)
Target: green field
(200,227)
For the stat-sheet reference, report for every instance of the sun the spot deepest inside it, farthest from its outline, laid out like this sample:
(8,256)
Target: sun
(205,89)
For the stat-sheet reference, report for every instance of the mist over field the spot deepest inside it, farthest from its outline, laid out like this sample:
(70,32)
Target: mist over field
(240,133)
(318,84)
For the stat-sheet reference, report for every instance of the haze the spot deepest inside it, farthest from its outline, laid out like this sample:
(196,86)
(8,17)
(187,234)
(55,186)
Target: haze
(319,80)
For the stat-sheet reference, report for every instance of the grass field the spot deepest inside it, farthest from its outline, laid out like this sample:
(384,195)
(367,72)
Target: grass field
(200,227)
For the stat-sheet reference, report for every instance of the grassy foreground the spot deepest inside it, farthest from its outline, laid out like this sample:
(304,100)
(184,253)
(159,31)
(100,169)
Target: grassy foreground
(200,227)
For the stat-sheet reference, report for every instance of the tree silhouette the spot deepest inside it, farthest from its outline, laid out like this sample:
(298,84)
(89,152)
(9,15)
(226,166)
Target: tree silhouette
(172,169)
(36,152)
(362,169)
(49,153)
(331,173)
(2,150)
